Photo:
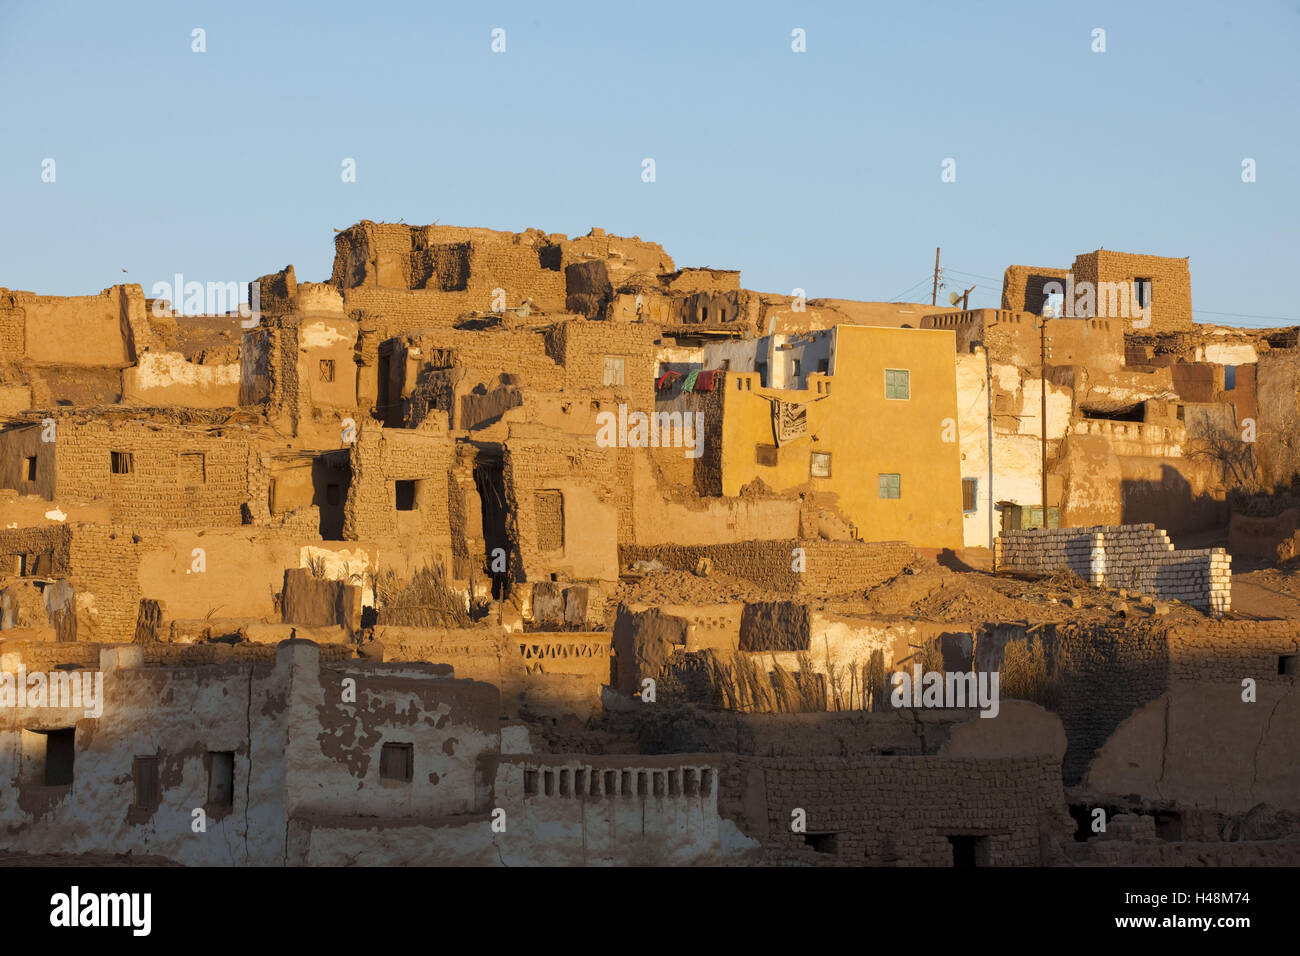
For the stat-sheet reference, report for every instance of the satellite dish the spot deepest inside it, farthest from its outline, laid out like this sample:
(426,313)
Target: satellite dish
(954,298)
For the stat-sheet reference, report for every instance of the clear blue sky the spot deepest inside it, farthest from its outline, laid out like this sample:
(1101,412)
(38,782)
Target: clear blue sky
(819,170)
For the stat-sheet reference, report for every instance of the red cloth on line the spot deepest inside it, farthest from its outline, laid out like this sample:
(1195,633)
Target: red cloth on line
(665,379)
(706,381)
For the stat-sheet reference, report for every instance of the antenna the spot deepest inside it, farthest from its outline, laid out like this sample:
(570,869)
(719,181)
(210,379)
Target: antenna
(962,297)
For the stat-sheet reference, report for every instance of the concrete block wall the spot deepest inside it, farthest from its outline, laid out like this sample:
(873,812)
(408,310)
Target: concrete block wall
(1138,557)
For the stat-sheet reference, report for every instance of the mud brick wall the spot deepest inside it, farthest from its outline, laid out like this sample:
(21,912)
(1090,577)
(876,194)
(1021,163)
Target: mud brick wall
(1138,557)
(1231,650)
(546,460)
(1104,674)
(587,288)
(13,325)
(379,458)
(901,810)
(621,256)
(840,567)
(104,571)
(404,310)
(1171,284)
(487,354)
(419,276)
(44,549)
(831,567)
(1022,287)
(157,493)
(582,347)
(47,655)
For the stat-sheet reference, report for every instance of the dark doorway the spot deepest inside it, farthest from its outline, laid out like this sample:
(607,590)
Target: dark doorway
(969,851)
(490,482)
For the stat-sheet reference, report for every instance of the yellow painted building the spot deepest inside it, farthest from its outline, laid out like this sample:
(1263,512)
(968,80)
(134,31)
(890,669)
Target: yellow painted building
(877,428)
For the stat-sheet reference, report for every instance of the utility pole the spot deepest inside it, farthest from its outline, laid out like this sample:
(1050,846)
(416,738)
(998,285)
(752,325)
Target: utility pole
(988,398)
(934,293)
(1042,366)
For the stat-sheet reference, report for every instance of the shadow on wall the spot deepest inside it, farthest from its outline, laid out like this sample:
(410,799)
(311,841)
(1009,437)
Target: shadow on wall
(1035,296)
(1170,505)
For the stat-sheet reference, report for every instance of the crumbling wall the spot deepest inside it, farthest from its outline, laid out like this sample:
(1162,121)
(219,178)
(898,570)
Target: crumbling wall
(104,329)
(419,276)
(380,459)
(1022,287)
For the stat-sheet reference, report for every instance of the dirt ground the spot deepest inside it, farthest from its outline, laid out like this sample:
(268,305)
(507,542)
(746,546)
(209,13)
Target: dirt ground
(926,590)
(1264,592)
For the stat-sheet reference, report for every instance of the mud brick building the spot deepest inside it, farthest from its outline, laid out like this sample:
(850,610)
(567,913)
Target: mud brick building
(643,650)
(151,474)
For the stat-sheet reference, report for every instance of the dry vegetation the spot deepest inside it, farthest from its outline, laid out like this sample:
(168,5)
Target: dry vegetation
(740,683)
(423,600)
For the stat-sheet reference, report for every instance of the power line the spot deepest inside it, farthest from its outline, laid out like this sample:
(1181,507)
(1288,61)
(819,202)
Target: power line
(1241,315)
(974,274)
(910,288)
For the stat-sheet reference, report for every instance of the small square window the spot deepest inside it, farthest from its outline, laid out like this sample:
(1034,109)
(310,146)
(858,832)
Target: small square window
(327,370)
(1288,665)
(144,772)
(969,495)
(614,366)
(396,762)
(405,495)
(121,462)
(898,383)
(29,468)
(889,486)
(765,455)
(821,464)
